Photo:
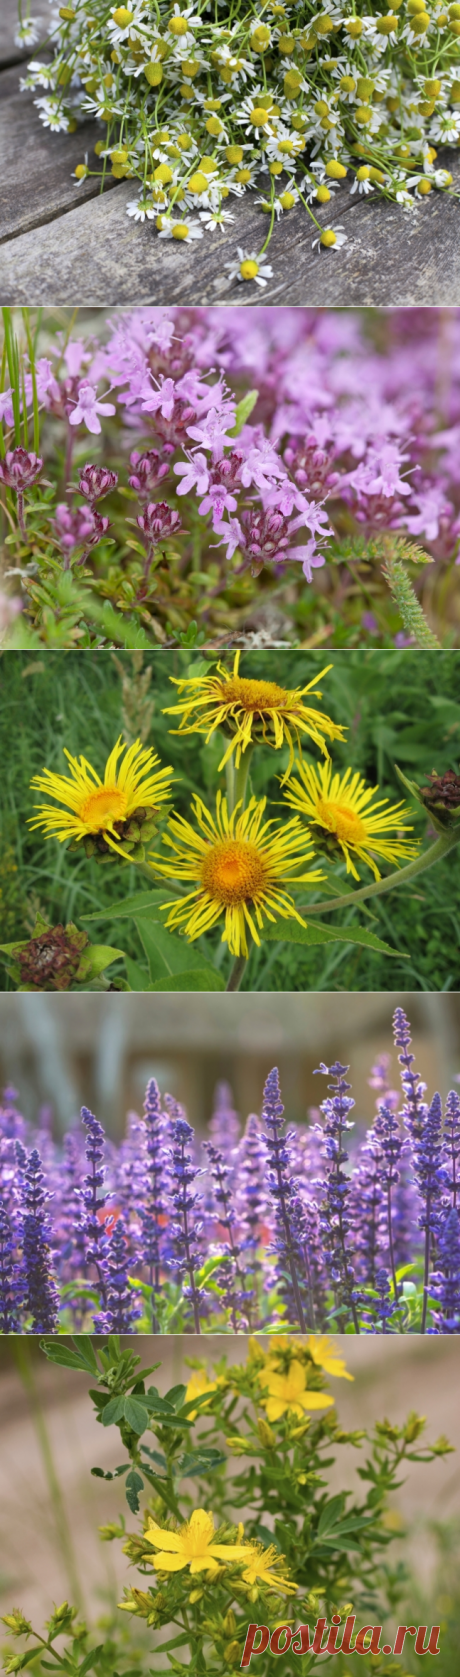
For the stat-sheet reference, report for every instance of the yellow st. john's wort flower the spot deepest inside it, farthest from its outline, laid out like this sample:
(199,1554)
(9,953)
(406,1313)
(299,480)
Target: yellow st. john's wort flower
(102,807)
(263,1568)
(193,1545)
(326,1355)
(287,1394)
(240,865)
(251,710)
(342,805)
(199,1386)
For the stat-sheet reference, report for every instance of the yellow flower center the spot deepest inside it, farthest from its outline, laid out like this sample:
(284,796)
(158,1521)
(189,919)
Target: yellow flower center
(341,820)
(234,871)
(104,806)
(254,695)
(249,270)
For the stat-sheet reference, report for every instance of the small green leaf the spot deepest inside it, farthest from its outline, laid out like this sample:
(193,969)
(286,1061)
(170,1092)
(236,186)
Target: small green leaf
(136,1415)
(113,1411)
(133,1484)
(199,978)
(243,412)
(95,959)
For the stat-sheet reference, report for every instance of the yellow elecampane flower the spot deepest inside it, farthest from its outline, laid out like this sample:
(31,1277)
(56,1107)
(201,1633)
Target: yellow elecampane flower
(102,806)
(193,1545)
(240,865)
(342,805)
(252,710)
(262,1568)
(287,1394)
(326,1355)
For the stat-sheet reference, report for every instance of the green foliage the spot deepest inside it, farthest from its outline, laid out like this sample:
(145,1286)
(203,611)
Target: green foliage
(332,1546)
(81,703)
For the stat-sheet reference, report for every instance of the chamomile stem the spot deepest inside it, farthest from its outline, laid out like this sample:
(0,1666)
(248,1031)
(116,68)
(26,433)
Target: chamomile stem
(401,876)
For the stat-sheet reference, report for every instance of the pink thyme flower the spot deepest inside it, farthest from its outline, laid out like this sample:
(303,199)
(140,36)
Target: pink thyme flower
(88,408)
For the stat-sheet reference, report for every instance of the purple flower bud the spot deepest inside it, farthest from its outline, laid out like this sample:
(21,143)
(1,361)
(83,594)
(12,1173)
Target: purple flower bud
(149,470)
(159,521)
(95,481)
(19,469)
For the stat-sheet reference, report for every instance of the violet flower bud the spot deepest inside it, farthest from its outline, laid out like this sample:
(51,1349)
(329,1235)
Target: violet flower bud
(149,470)
(159,521)
(19,469)
(95,481)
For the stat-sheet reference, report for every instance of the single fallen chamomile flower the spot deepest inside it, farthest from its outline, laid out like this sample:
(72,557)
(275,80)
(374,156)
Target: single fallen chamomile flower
(192,1545)
(250,710)
(249,267)
(215,218)
(239,864)
(169,229)
(142,209)
(331,238)
(104,809)
(343,807)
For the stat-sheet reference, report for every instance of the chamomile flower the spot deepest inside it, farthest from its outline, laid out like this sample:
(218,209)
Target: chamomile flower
(361,184)
(28,32)
(124,22)
(445,127)
(215,218)
(41,75)
(250,266)
(180,230)
(330,238)
(52,115)
(141,209)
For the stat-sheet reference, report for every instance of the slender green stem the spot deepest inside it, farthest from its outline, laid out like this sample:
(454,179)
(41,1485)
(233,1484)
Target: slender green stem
(24,1365)
(237,973)
(242,775)
(401,876)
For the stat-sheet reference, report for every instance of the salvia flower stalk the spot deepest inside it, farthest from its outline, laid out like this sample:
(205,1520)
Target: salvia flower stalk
(319,1227)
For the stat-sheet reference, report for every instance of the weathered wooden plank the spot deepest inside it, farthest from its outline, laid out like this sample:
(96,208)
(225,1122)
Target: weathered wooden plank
(36,175)
(97,255)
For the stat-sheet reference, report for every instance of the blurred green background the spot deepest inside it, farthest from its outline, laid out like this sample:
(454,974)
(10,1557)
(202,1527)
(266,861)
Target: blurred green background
(401,706)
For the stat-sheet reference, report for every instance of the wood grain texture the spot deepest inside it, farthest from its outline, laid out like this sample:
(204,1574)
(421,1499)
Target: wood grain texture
(9,52)
(63,245)
(36,181)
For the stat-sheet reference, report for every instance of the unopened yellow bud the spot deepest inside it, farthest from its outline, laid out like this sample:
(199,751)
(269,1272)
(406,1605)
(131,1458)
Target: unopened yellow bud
(335,170)
(153,74)
(266,1433)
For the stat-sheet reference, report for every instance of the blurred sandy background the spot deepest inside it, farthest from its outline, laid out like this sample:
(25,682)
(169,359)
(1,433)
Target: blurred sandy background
(391,1377)
(100,1050)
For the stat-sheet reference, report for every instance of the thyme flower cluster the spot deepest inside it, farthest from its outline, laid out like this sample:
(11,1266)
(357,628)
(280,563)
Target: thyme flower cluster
(197,102)
(248,1231)
(257,443)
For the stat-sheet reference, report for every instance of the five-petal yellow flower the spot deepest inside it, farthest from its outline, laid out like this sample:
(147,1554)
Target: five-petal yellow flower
(262,1568)
(193,1545)
(286,1394)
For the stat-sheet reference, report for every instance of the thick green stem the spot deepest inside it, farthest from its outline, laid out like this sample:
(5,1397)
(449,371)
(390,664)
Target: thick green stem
(237,779)
(237,973)
(401,876)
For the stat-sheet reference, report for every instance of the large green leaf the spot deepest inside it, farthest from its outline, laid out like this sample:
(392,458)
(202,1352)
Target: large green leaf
(141,902)
(289,931)
(167,954)
(197,978)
